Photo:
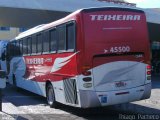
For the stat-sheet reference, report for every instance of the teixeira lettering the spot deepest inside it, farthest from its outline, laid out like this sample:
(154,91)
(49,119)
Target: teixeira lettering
(115,17)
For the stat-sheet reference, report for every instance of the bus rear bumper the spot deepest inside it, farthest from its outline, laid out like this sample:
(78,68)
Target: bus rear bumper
(96,99)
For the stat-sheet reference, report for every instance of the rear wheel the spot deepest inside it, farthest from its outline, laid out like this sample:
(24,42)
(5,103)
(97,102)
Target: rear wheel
(51,96)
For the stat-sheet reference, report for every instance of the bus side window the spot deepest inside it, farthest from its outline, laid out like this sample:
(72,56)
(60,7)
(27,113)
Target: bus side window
(25,46)
(46,42)
(21,46)
(53,40)
(61,37)
(70,29)
(8,52)
(29,45)
(34,44)
(18,48)
(39,43)
(16,52)
(12,49)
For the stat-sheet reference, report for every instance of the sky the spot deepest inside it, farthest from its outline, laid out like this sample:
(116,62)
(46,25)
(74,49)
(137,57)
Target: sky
(146,3)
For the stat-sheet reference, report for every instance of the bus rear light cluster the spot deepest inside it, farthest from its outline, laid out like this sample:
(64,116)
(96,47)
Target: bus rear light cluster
(86,71)
(149,67)
(148,72)
(86,67)
(87,79)
(87,85)
(148,77)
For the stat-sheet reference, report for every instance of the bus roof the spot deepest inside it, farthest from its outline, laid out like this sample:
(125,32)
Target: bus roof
(42,27)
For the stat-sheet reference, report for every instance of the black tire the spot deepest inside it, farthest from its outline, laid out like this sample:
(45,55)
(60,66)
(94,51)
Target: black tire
(51,96)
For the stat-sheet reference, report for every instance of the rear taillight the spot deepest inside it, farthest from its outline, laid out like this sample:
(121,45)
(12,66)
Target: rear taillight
(148,72)
(86,73)
(149,67)
(85,70)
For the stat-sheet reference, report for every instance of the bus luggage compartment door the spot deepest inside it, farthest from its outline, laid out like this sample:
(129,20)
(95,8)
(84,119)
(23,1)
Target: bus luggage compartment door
(113,73)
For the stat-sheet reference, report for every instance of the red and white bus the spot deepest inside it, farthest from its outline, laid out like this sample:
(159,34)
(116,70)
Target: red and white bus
(92,57)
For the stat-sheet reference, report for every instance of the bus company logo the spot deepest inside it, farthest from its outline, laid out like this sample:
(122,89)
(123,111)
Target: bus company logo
(34,61)
(115,17)
(120,84)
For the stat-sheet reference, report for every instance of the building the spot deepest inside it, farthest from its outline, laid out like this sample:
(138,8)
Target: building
(8,33)
(121,2)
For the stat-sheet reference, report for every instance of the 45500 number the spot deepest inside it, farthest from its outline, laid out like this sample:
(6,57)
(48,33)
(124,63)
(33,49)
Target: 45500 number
(118,49)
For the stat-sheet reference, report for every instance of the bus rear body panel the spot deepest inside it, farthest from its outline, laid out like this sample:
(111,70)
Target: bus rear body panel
(117,49)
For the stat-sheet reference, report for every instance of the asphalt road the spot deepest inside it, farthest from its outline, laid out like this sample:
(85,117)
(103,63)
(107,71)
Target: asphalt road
(23,105)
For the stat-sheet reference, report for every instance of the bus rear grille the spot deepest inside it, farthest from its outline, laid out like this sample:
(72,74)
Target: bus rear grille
(70,91)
